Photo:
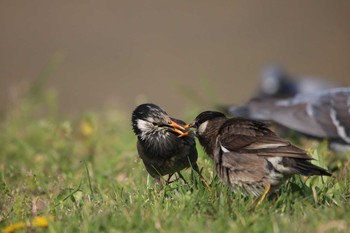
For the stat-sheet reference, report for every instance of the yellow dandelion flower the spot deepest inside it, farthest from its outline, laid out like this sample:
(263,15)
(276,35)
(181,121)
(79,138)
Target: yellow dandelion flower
(40,221)
(86,128)
(14,227)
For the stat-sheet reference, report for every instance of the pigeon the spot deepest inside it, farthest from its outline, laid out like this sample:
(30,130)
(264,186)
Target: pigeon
(323,114)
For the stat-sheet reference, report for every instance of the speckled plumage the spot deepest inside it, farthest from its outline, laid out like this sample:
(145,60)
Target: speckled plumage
(162,151)
(248,155)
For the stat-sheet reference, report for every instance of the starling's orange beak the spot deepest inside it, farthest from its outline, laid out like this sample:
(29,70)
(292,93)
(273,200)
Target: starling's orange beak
(176,125)
(189,125)
(178,129)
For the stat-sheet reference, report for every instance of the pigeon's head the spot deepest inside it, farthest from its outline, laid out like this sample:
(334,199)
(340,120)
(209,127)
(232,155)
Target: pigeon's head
(272,80)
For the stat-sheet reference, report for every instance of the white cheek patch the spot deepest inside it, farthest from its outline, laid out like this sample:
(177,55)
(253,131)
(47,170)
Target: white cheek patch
(148,130)
(202,127)
(144,126)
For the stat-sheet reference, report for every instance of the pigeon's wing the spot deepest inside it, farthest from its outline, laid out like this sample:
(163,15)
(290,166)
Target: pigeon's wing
(324,114)
(332,112)
(297,117)
(288,113)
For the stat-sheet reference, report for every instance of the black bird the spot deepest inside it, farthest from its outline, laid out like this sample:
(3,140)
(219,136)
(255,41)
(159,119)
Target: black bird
(164,146)
(323,114)
(277,83)
(248,156)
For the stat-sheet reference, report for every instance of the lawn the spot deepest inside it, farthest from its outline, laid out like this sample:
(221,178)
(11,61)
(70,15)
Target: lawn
(83,174)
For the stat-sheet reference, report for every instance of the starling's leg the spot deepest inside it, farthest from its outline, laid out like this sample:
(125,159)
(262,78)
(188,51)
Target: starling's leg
(169,177)
(267,190)
(196,168)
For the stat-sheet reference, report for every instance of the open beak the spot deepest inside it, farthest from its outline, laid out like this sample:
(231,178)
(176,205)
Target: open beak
(176,125)
(178,129)
(189,125)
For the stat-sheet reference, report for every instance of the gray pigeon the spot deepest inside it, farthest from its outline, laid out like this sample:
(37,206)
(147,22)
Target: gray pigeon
(323,114)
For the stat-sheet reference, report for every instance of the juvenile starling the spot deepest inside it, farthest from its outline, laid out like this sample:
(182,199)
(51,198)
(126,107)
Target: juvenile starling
(248,156)
(323,114)
(164,146)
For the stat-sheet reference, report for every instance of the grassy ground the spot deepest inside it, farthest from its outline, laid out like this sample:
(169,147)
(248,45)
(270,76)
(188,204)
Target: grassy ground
(83,175)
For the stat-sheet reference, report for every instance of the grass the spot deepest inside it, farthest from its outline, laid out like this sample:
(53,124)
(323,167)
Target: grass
(83,175)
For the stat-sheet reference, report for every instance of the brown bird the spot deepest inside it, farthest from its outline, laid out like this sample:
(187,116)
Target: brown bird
(164,146)
(249,156)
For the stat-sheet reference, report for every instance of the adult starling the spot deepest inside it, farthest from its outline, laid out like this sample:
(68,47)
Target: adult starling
(323,114)
(248,156)
(164,146)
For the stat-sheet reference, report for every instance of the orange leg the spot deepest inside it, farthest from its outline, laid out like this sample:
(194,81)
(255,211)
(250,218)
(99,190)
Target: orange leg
(267,190)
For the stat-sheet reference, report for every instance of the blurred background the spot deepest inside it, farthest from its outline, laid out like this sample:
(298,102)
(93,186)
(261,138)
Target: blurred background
(117,54)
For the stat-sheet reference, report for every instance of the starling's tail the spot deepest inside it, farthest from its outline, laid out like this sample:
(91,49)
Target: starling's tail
(306,168)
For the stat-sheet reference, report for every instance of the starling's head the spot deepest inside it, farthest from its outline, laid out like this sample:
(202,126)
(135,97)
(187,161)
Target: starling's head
(149,120)
(200,123)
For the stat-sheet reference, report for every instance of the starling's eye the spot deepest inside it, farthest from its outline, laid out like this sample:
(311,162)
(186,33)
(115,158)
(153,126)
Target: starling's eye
(154,123)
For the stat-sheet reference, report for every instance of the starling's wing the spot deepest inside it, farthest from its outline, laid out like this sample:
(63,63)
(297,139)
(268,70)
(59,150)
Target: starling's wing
(249,142)
(253,137)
